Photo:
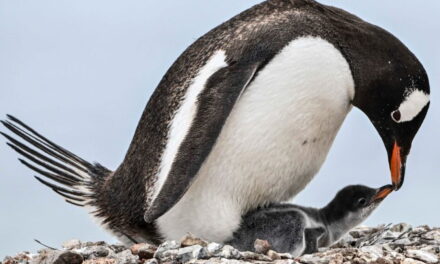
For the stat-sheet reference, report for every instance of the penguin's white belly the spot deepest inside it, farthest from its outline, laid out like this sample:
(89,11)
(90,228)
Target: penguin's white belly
(272,144)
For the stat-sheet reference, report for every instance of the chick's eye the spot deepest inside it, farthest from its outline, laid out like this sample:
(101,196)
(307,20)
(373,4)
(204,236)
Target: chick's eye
(396,116)
(362,201)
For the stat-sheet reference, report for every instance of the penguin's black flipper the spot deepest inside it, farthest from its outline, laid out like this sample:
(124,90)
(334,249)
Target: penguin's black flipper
(215,103)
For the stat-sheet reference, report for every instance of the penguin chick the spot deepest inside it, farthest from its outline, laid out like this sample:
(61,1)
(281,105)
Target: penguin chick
(302,230)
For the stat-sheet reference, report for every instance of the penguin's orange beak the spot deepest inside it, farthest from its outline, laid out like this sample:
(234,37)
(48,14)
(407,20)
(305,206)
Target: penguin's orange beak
(396,167)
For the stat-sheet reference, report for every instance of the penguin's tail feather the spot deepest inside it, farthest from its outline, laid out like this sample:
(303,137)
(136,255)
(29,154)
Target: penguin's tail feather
(77,180)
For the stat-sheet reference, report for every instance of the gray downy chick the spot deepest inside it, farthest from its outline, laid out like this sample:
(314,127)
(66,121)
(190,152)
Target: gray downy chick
(302,230)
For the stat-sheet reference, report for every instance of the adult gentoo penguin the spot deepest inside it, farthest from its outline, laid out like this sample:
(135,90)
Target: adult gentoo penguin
(245,117)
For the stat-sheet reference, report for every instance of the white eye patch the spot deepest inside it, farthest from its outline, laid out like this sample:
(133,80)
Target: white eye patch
(413,104)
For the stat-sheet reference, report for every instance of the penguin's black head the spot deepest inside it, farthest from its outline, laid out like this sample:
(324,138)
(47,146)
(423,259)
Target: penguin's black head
(392,89)
(354,203)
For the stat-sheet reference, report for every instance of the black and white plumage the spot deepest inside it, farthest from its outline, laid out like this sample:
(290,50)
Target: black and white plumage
(302,230)
(265,93)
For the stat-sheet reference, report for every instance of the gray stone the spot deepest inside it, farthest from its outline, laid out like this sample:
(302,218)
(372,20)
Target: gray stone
(262,246)
(319,259)
(421,255)
(390,235)
(347,240)
(401,228)
(167,255)
(411,261)
(116,248)
(151,261)
(68,257)
(285,261)
(247,255)
(125,257)
(144,251)
(46,256)
(187,253)
(21,258)
(191,240)
(375,251)
(273,255)
(403,241)
(421,229)
(168,245)
(360,231)
(433,235)
(93,252)
(167,250)
(384,260)
(214,249)
(72,244)
(229,252)
(434,249)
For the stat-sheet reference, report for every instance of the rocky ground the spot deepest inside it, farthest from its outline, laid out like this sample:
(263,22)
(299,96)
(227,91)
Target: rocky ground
(383,245)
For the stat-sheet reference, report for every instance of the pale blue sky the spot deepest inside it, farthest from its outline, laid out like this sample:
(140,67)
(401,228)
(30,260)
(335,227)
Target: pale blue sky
(81,73)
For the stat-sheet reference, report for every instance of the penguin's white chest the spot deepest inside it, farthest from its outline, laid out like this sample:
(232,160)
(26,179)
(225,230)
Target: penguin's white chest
(272,144)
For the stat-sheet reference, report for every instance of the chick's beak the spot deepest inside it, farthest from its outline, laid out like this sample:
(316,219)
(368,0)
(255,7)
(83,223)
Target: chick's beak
(383,192)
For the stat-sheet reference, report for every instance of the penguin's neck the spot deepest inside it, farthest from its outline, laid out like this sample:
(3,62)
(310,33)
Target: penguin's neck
(338,222)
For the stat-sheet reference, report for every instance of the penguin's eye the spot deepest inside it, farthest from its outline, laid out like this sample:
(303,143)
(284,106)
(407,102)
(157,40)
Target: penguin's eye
(396,116)
(362,201)
(415,101)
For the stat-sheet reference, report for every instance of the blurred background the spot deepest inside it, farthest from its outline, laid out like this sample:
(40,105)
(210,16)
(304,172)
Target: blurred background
(81,72)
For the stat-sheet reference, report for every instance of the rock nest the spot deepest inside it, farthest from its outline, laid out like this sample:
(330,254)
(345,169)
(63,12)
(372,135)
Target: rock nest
(387,244)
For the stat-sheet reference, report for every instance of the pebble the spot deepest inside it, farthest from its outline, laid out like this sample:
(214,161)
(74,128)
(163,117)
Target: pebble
(411,261)
(125,257)
(151,261)
(390,235)
(434,235)
(357,233)
(262,246)
(168,245)
(422,255)
(23,257)
(72,244)
(166,249)
(229,252)
(401,228)
(213,249)
(347,241)
(191,240)
(420,229)
(94,252)
(167,255)
(144,251)
(435,249)
(375,250)
(273,255)
(254,256)
(100,261)
(193,252)
(402,241)
(48,256)
(69,257)
(384,261)
(285,261)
